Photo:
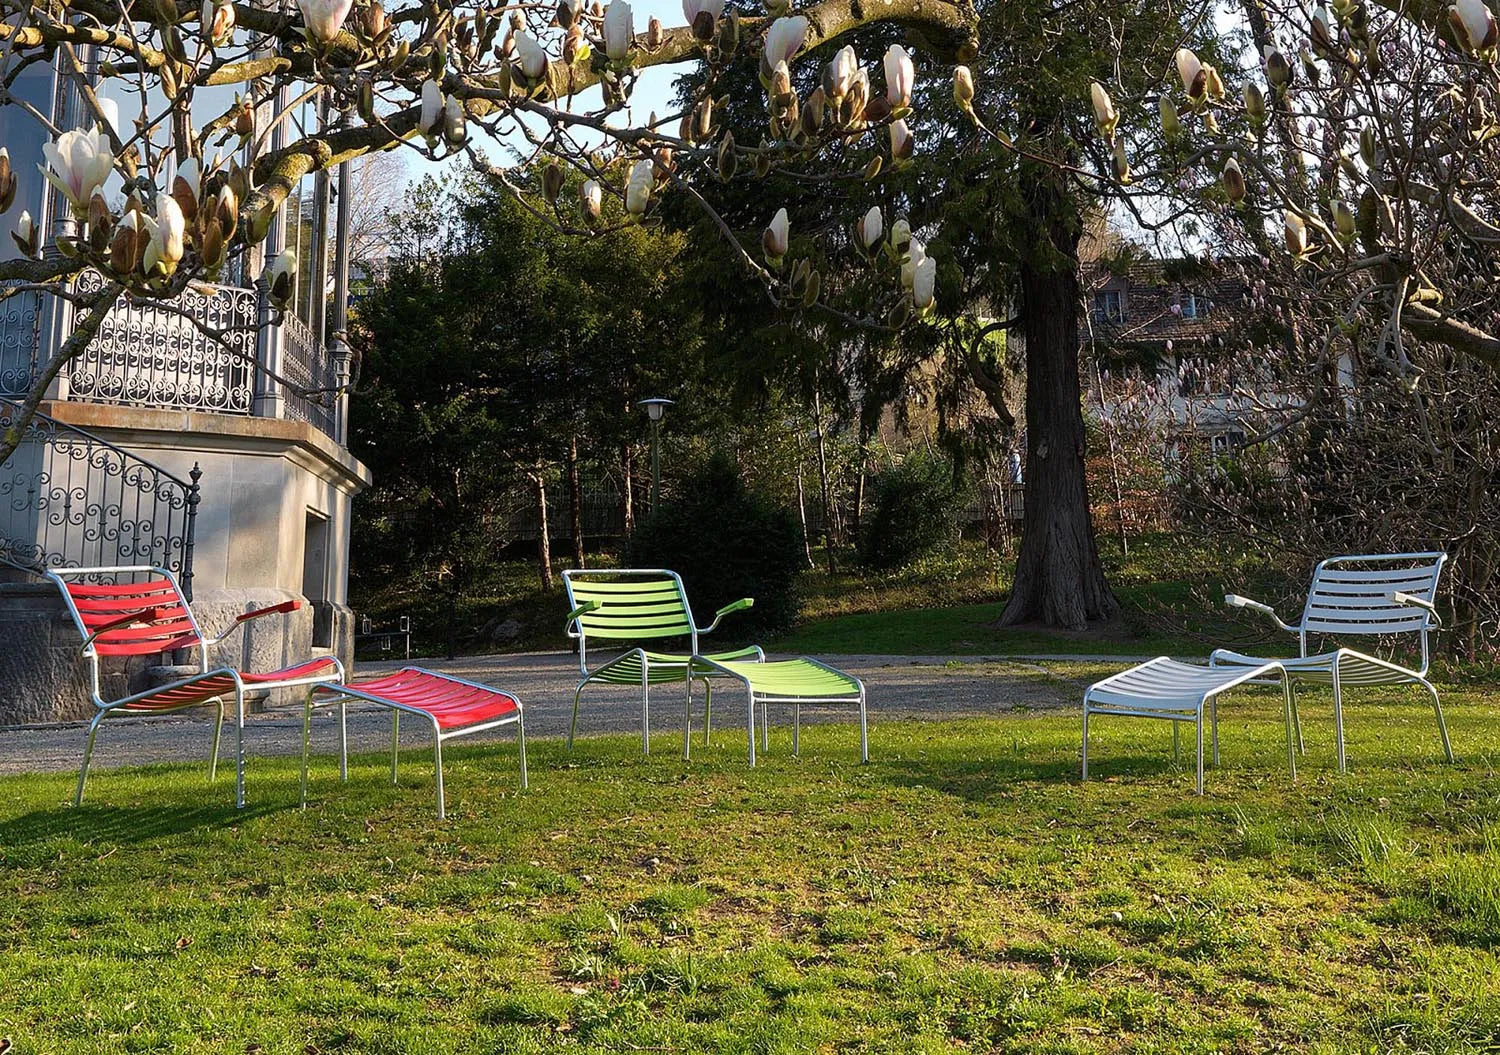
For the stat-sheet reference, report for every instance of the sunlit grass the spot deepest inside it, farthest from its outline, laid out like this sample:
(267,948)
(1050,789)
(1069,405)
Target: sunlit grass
(963,892)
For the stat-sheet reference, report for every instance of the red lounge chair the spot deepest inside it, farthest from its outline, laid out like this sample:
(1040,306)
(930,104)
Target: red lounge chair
(124,618)
(451,706)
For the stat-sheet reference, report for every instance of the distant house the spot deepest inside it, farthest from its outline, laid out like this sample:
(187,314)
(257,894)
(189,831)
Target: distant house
(1162,335)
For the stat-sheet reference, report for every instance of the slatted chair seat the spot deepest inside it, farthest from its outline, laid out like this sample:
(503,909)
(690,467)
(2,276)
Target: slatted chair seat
(141,611)
(793,683)
(451,707)
(1386,594)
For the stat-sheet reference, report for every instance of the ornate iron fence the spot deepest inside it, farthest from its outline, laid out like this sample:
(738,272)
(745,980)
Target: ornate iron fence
(71,499)
(151,356)
(308,364)
(20,315)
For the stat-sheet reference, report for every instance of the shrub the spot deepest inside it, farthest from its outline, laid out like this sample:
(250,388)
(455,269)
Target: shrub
(915,511)
(726,542)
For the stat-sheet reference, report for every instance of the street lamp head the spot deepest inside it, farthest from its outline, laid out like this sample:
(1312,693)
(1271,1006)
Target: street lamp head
(655,407)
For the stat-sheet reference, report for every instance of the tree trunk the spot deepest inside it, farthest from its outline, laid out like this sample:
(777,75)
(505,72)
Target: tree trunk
(1059,578)
(543,538)
(828,535)
(628,497)
(575,502)
(802,512)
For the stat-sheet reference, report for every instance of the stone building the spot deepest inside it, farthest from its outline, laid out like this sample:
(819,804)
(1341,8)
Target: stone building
(226,464)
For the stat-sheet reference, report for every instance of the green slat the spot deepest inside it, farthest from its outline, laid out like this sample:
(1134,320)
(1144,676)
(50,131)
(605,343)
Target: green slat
(625,588)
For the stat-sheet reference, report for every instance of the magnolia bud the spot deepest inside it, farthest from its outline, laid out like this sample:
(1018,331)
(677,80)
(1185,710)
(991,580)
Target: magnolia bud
(1120,162)
(1171,125)
(963,88)
(552,182)
(1234,181)
(1343,220)
(701,124)
(726,160)
(1296,234)
(455,122)
(592,196)
(729,33)
(774,240)
(227,211)
(654,33)
(1255,105)
(1105,115)
(814,288)
(211,248)
(1367,146)
(375,21)
(128,245)
(7,182)
(873,168)
(244,119)
(1278,70)
(101,223)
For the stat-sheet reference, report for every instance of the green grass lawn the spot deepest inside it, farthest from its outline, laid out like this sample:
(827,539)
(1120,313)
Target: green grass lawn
(961,893)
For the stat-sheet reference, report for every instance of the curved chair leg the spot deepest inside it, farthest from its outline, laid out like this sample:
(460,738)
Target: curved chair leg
(1213,710)
(1176,744)
(213,760)
(864,730)
(708,710)
(573,729)
(1291,687)
(687,719)
(343,740)
(1293,738)
(521,740)
(437,761)
(1437,709)
(239,748)
(1338,717)
(88,752)
(765,729)
(750,721)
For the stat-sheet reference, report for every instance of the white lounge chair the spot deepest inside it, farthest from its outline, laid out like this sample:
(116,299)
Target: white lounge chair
(1379,594)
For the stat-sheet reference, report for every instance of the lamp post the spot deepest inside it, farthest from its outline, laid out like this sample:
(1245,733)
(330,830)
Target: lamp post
(654,410)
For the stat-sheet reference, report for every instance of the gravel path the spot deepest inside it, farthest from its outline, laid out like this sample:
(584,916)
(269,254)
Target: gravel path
(899,688)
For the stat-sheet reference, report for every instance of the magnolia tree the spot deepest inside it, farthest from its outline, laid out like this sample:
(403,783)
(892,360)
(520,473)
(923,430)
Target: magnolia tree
(194,179)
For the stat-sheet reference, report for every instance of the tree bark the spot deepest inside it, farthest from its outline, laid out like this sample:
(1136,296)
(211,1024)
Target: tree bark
(543,538)
(1059,578)
(575,502)
(828,529)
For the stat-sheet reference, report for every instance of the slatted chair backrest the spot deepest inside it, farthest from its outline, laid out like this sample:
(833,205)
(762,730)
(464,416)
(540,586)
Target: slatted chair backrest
(1352,595)
(95,604)
(634,604)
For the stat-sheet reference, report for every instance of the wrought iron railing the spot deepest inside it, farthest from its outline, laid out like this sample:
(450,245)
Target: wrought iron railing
(71,499)
(152,356)
(308,364)
(20,316)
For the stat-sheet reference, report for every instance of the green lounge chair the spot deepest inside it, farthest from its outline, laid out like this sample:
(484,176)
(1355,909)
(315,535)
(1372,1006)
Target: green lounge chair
(635,605)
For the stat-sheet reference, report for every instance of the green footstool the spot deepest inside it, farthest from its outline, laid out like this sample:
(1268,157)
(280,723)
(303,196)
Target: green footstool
(789,683)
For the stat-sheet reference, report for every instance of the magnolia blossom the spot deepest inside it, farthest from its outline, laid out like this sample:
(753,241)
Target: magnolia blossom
(870,227)
(619,30)
(324,18)
(26,235)
(568,12)
(784,40)
(1194,77)
(455,122)
(703,17)
(431,116)
(924,284)
(128,244)
(7,182)
(533,57)
(1343,219)
(901,141)
(638,189)
(80,161)
(1105,116)
(1121,162)
(1473,25)
(217,22)
(1171,125)
(1234,181)
(1255,103)
(592,196)
(963,88)
(916,252)
(838,75)
(900,76)
(185,185)
(900,236)
(166,245)
(774,240)
(1296,234)
(279,275)
(1278,69)
(1322,29)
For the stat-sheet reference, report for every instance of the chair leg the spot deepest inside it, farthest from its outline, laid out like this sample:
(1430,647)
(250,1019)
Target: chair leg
(88,752)
(1291,687)
(573,729)
(239,748)
(213,760)
(1289,698)
(687,719)
(765,728)
(1437,709)
(395,741)
(1338,718)
(796,730)
(1176,744)
(864,730)
(521,740)
(1084,775)
(645,713)
(343,740)
(437,763)
(750,722)
(1200,749)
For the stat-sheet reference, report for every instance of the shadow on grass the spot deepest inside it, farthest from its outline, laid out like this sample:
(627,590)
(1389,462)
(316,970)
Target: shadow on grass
(123,825)
(994,779)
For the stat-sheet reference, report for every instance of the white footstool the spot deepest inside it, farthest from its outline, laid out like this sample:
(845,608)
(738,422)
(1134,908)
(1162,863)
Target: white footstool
(1178,692)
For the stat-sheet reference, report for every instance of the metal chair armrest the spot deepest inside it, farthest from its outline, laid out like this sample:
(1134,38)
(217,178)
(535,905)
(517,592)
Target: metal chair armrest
(729,609)
(1418,602)
(1234,600)
(143,617)
(245,617)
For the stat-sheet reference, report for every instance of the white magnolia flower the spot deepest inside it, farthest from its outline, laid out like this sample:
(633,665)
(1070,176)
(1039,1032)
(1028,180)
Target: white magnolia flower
(1190,70)
(924,284)
(619,30)
(774,240)
(26,235)
(279,275)
(839,74)
(900,236)
(915,254)
(638,189)
(533,57)
(1105,115)
(432,110)
(870,227)
(166,246)
(111,111)
(784,39)
(900,76)
(963,88)
(593,198)
(1473,24)
(1234,181)
(324,18)
(216,22)
(901,141)
(455,122)
(703,16)
(1296,233)
(80,162)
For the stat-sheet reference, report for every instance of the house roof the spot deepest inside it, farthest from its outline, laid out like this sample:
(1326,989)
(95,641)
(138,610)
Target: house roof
(1154,292)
